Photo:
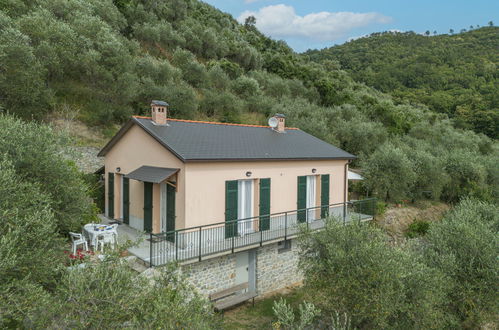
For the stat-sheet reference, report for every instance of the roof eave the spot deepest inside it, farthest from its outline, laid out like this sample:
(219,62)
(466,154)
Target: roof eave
(196,160)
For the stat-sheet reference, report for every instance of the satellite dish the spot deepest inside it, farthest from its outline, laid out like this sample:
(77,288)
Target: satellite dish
(273,122)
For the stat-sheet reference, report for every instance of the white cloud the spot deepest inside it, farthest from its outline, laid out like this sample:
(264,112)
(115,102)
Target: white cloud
(282,21)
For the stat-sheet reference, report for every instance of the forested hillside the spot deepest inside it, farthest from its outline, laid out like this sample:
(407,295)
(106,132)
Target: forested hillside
(454,74)
(107,59)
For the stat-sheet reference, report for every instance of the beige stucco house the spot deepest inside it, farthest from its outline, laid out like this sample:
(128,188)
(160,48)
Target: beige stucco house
(165,174)
(225,200)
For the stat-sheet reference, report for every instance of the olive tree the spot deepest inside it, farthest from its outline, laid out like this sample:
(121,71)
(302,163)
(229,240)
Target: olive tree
(352,269)
(389,172)
(37,154)
(464,246)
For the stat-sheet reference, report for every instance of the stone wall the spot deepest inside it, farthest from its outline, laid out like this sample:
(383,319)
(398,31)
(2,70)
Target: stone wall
(274,270)
(212,275)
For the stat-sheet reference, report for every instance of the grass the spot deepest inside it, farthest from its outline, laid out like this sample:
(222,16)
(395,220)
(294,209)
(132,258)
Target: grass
(261,315)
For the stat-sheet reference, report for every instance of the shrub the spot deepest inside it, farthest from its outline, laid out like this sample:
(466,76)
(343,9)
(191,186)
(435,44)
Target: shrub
(111,295)
(417,228)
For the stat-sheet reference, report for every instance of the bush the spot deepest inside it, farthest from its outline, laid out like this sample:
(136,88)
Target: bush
(111,295)
(417,228)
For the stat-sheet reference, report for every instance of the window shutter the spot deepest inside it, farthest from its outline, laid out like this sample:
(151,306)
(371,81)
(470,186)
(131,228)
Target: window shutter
(126,200)
(264,204)
(148,207)
(170,212)
(231,192)
(302,199)
(110,195)
(324,195)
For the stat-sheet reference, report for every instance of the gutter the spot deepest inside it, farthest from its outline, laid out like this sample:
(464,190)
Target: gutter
(345,190)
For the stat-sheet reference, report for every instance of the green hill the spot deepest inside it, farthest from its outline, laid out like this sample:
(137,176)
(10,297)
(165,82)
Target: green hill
(453,74)
(106,60)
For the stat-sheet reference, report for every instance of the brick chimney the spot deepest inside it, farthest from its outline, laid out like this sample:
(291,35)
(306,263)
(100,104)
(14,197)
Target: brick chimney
(281,121)
(159,112)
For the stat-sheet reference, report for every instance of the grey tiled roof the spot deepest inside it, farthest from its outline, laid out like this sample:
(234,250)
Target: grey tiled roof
(198,141)
(152,174)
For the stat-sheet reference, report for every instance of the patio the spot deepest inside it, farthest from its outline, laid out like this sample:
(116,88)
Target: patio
(126,233)
(224,238)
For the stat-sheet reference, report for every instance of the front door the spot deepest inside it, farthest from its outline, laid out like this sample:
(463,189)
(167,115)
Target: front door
(126,200)
(245,207)
(242,267)
(110,195)
(168,210)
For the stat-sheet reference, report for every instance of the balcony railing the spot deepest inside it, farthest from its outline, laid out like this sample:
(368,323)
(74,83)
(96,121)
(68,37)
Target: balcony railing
(229,236)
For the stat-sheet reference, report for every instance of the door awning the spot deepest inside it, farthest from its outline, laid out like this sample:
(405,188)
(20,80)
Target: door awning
(152,174)
(354,176)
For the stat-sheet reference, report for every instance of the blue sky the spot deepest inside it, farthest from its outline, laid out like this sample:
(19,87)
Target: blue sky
(305,24)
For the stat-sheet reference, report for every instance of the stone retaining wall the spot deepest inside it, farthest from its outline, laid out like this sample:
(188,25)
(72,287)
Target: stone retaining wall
(212,275)
(274,270)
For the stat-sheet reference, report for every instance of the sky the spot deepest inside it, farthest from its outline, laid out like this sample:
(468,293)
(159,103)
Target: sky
(310,24)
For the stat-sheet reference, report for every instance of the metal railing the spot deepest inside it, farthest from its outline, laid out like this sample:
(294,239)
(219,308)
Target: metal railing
(197,242)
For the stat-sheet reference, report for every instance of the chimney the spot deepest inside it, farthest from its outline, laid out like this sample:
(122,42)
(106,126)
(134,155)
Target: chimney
(281,120)
(159,112)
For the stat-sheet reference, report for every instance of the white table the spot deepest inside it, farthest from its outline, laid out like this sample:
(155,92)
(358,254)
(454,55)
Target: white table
(92,234)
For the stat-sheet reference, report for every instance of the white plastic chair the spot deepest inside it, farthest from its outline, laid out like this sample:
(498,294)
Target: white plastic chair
(105,238)
(78,239)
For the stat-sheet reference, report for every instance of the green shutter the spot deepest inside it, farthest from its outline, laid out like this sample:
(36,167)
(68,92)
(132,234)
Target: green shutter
(264,204)
(148,207)
(126,200)
(231,208)
(170,212)
(302,199)
(110,195)
(324,195)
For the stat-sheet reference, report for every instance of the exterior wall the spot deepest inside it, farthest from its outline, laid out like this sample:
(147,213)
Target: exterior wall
(136,148)
(205,185)
(212,275)
(274,270)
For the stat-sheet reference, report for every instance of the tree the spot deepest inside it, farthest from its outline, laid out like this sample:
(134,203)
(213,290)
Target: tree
(37,155)
(427,32)
(464,247)
(250,22)
(451,31)
(389,173)
(110,295)
(352,269)
(491,23)
(22,77)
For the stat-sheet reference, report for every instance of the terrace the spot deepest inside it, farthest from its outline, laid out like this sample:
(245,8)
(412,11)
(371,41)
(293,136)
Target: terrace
(203,242)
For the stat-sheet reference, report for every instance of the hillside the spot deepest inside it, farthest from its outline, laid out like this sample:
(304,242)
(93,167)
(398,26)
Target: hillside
(104,60)
(453,74)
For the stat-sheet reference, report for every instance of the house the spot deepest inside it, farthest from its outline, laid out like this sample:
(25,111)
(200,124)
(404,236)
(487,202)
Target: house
(202,188)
